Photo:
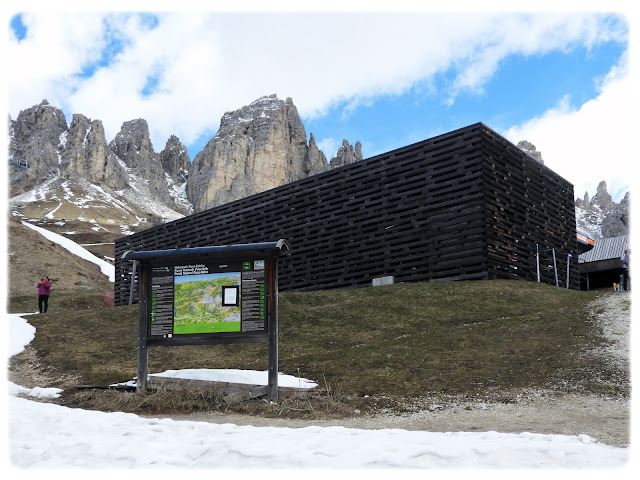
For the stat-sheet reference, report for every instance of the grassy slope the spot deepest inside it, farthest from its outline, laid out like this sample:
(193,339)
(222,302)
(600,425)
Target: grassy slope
(402,340)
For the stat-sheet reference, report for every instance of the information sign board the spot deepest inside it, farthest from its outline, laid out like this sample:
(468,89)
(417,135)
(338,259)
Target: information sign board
(206,296)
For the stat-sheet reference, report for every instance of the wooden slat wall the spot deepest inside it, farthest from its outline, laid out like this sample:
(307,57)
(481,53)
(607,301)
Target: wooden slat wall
(527,204)
(422,212)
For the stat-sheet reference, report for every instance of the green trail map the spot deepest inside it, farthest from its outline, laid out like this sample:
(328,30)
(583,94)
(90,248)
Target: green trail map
(198,304)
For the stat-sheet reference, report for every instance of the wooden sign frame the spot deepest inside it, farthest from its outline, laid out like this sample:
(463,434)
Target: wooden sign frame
(256,267)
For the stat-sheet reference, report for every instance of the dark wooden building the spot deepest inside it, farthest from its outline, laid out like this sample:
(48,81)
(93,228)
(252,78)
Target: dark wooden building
(463,205)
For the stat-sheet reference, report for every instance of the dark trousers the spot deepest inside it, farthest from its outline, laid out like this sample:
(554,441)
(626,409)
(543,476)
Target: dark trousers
(626,279)
(43,300)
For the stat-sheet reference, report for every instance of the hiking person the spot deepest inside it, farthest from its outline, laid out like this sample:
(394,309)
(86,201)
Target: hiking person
(44,285)
(625,259)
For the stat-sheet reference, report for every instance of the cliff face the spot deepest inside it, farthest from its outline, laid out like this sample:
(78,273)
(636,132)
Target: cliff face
(175,160)
(600,216)
(258,147)
(133,146)
(85,154)
(42,149)
(347,154)
(36,138)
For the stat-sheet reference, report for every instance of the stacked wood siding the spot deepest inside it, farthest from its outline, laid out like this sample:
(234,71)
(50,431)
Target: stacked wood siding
(464,205)
(527,204)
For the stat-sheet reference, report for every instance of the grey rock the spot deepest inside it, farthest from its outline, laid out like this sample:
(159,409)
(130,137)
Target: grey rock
(35,137)
(347,155)
(175,160)
(87,155)
(133,146)
(600,216)
(602,197)
(314,162)
(615,223)
(258,147)
(530,149)
(584,202)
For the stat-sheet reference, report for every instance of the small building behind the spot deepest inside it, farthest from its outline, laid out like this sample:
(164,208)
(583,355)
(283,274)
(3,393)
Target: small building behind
(601,266)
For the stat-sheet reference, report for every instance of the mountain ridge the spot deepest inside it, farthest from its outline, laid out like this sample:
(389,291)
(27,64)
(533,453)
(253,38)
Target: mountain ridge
(124,185)
(259,146)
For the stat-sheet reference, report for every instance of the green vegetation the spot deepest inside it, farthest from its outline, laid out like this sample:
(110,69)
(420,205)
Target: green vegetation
(198,305)
(396,342)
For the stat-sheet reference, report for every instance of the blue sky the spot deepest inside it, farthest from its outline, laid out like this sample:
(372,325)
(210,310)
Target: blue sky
(521,88)
(560,80)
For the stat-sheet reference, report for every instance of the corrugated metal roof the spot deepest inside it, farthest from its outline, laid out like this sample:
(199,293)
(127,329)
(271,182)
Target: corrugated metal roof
(606,249)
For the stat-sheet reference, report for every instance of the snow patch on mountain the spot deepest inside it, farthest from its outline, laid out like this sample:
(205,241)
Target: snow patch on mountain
(178,192)
(590,221)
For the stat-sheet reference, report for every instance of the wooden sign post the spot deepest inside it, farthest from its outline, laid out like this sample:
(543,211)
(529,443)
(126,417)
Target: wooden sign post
(207,296)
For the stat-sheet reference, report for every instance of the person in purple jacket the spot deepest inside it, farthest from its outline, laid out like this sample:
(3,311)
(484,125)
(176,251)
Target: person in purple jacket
(44,285)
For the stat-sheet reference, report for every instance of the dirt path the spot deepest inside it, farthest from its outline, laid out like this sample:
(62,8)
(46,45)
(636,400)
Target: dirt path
(605,419)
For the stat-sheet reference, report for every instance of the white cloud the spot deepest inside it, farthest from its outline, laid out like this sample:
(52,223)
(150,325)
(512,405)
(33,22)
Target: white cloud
(591,143)
(329,146)
(212,63)
(56,46)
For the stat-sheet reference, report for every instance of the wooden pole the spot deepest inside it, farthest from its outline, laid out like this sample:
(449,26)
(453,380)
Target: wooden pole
(143,317)
(272,326)
(133,278)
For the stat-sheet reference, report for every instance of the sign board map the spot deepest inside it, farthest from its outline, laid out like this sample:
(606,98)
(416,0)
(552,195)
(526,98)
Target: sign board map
(208,297)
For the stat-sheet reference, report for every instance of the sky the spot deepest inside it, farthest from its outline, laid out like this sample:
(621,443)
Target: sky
(557,76)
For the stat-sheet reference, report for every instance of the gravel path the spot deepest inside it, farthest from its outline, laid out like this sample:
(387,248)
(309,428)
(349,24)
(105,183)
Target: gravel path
(605,419)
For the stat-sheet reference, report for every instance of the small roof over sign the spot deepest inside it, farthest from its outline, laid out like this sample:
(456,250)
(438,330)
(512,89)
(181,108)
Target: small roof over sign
(222,251)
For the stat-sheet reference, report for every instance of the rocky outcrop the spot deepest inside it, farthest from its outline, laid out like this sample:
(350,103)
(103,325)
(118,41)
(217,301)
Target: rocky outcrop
(616,221)
(258,147)
(602,198)
(35,139)
(42,148)
(530,149)
(600,216)
(175,160)
(314,161)
(133,146)
(87,155)
(347,154)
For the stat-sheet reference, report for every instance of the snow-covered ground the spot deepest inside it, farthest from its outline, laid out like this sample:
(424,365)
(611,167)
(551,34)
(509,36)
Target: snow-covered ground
(49,436)
(45,435)
(73,247)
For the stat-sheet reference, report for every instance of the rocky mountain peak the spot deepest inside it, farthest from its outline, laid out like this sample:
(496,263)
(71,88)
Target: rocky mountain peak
(600,216)
(347,154)
(35,139)
(529,148)
(175,160)
(132,144)
(87,155)
(602,197)
(258,147)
